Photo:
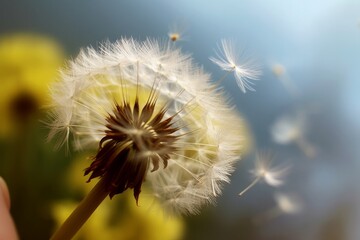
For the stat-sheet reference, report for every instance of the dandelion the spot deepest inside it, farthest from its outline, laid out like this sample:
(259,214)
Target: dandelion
(152,115)
(278,69)
(273,176)
(287,129)
(286,203)
(245,69)
(176,33)
(280,72)
(292,129)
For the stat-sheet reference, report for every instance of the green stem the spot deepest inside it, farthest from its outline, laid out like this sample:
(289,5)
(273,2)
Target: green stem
(82,212)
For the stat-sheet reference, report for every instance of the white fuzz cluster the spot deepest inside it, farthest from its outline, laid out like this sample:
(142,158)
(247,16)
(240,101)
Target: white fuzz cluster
(288,203)
(244,68)
(272,175)
(208,136)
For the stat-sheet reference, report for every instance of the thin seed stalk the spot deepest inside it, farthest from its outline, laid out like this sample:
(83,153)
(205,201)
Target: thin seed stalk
(251,184)
(219,81)
(82,212)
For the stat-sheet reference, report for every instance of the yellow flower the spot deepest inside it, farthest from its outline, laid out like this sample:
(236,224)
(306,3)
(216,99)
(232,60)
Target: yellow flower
(149,218)
(28,63)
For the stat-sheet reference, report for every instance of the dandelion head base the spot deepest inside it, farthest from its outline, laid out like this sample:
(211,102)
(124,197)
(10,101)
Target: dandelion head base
(134,138)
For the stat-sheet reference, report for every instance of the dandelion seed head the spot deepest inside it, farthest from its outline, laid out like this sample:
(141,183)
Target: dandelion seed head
(278,69)
(174,36)
(154,118)
(244,68)
(176,33)
(292,129)
(288,203)
(287,129)
(272,175)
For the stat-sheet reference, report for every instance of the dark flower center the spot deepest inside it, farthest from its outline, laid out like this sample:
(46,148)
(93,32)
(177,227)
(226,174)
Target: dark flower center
(23,106)
(134,139)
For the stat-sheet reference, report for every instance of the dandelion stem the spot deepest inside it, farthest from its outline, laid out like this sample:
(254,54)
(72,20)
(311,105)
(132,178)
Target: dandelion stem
(219,81)
(82,212)
(306,147)
(290,86)
(251,185)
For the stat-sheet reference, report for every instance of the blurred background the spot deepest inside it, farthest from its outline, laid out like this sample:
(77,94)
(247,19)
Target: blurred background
(306,109)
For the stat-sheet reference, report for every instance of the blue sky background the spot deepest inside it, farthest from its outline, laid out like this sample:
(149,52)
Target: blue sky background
(318,42)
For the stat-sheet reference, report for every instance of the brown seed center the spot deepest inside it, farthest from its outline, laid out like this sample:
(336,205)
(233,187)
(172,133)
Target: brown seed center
(134,139)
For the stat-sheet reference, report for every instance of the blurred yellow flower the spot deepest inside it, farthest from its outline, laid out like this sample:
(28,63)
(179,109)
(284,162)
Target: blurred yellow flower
(95,228)
(148,220)
(125,221)
(27,64)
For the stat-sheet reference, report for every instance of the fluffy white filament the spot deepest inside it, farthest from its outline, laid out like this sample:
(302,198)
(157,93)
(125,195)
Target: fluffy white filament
(209,129)
(272,175)
(245,69)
